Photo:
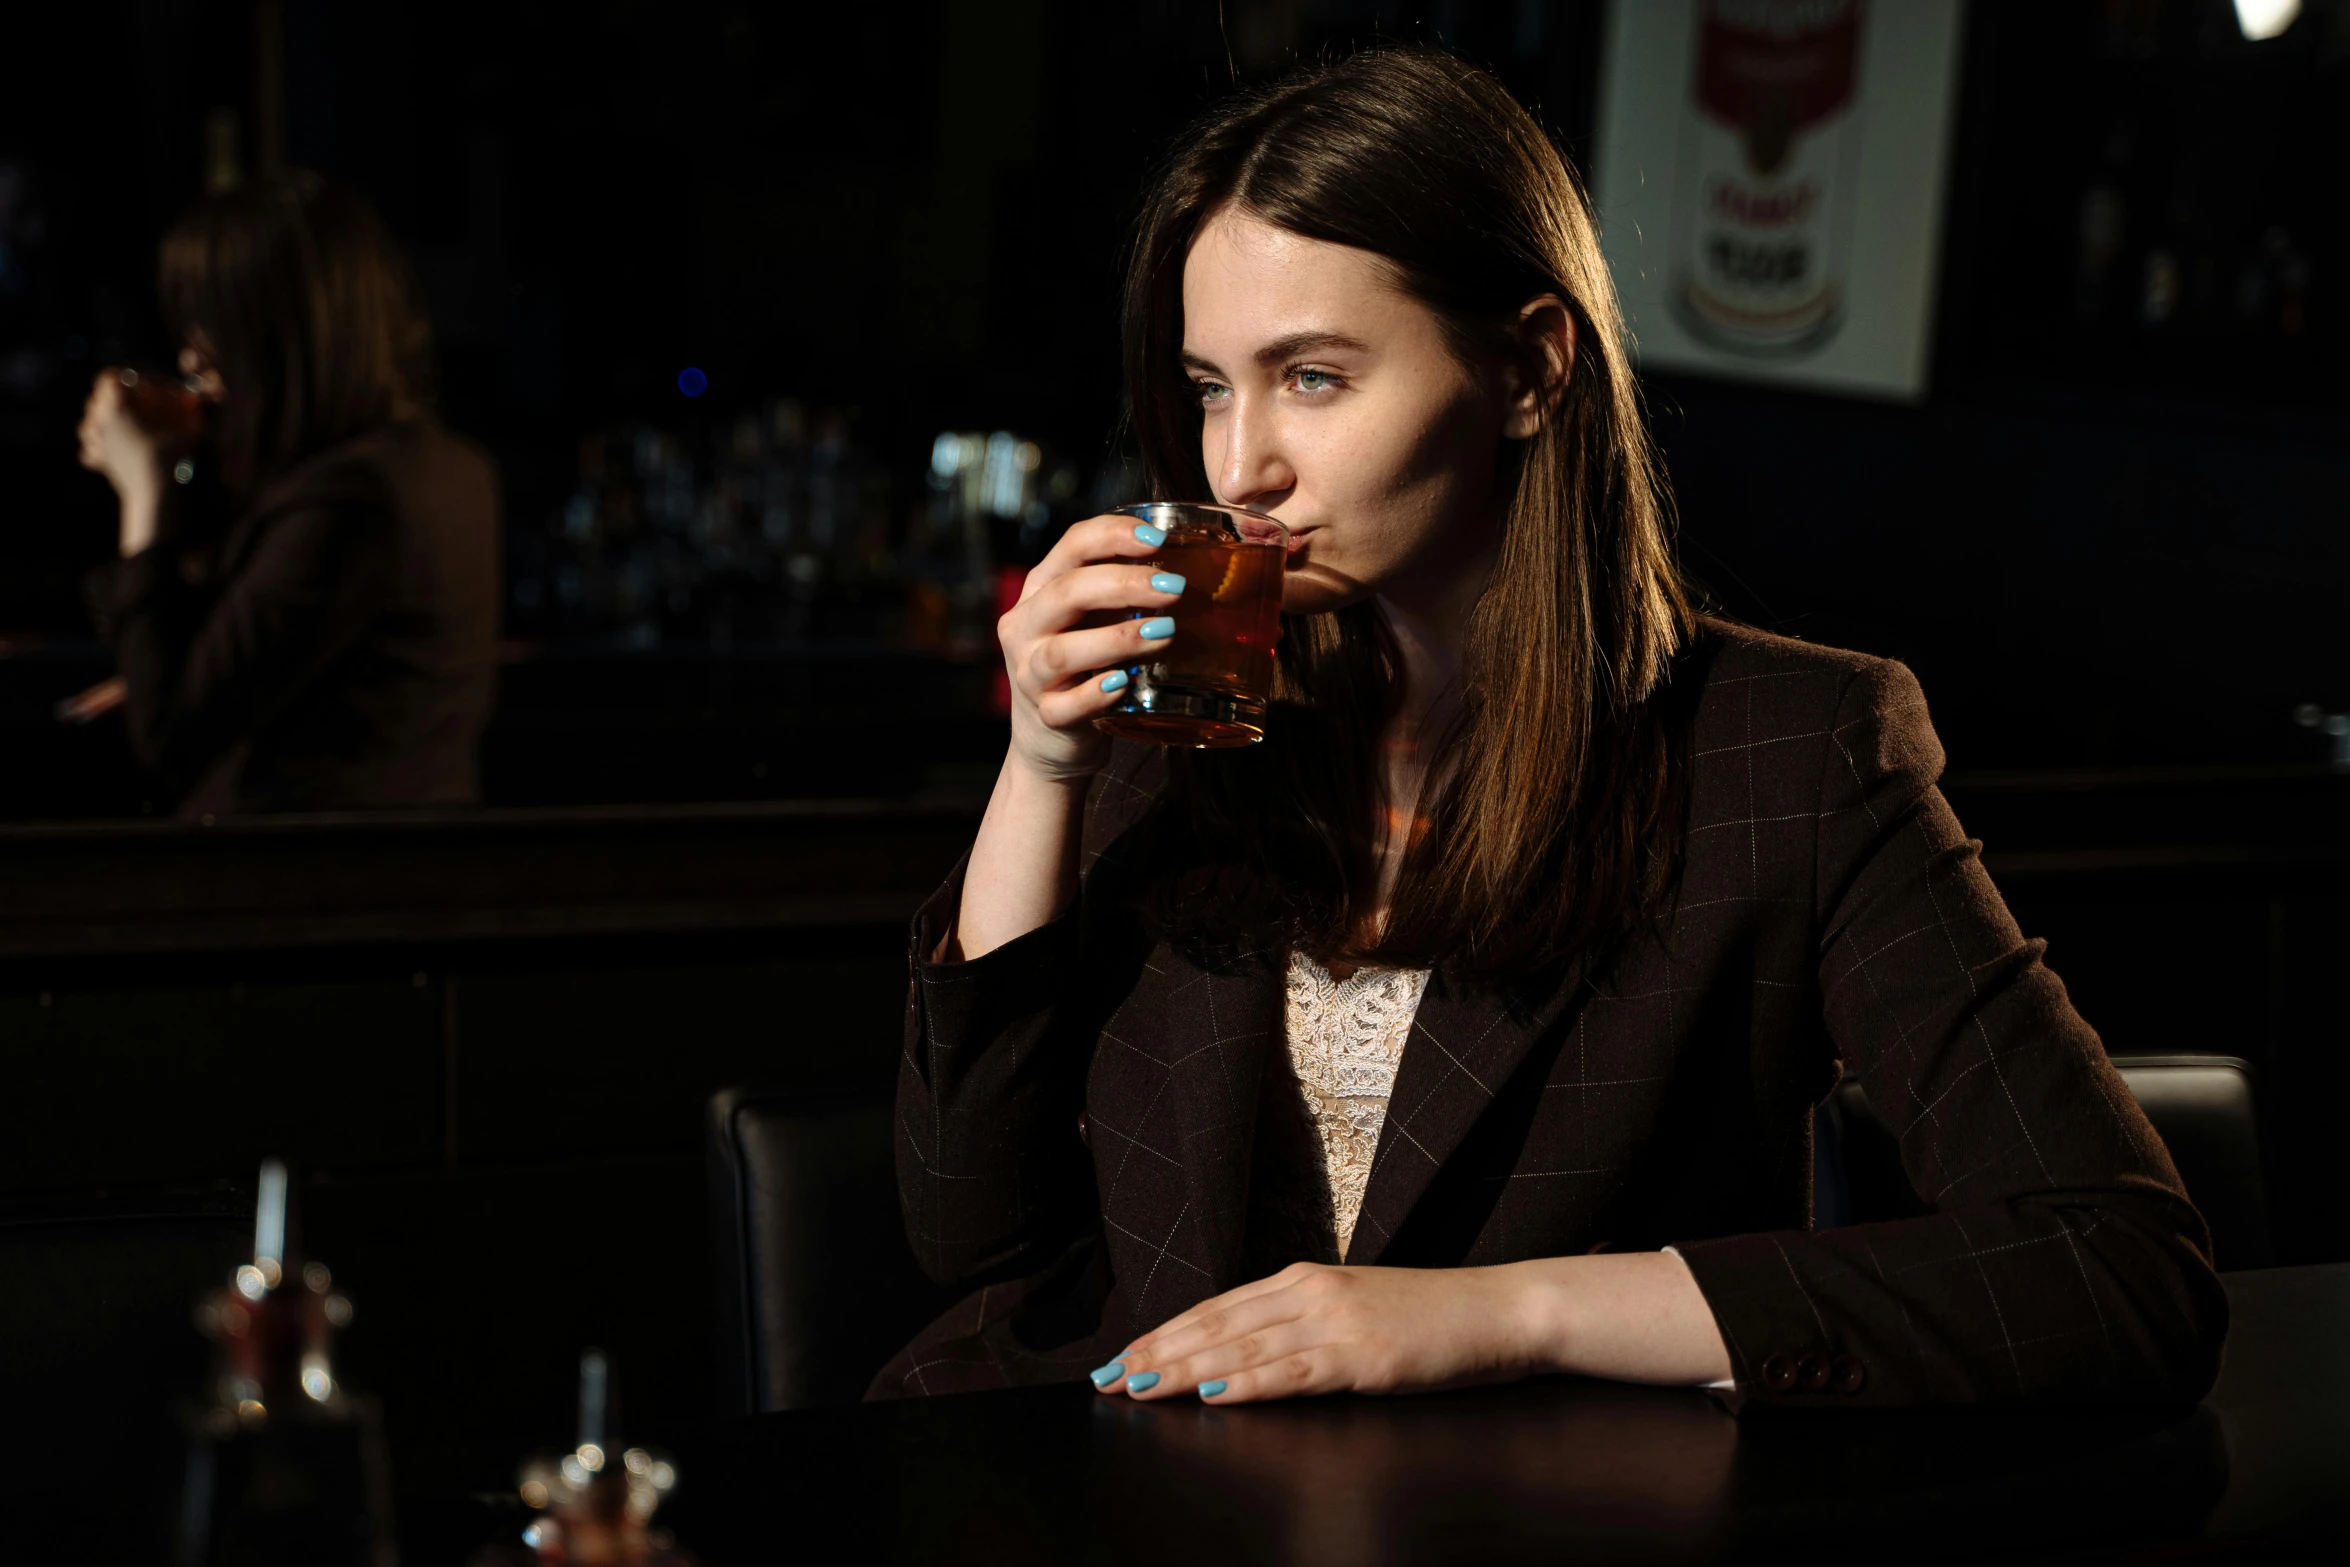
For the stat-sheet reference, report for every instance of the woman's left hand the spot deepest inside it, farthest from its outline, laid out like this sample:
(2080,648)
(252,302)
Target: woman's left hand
(1317,1329)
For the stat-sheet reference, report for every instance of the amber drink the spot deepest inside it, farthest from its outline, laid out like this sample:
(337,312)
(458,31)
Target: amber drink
(1207,686)
(163,403)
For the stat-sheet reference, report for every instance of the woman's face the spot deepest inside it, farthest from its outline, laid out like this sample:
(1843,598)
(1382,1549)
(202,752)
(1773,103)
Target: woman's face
(1332,400)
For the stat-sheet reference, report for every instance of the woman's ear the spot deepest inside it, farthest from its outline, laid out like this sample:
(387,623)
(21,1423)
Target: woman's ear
(1545,333)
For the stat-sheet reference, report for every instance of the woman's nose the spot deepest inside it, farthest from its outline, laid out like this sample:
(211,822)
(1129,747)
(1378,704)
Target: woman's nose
(1252,471)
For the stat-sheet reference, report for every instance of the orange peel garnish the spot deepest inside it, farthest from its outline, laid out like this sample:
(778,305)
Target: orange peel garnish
(1231,578)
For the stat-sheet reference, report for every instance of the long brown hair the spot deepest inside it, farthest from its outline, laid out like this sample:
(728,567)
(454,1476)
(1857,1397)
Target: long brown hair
(1553,832)
(309,310)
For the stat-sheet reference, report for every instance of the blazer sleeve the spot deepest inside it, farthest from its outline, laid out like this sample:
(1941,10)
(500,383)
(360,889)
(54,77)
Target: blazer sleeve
(993,1172)
(204,669)
(2064,1262)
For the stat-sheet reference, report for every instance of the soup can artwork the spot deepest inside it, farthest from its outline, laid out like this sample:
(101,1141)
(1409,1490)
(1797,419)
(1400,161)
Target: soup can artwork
(1770,139)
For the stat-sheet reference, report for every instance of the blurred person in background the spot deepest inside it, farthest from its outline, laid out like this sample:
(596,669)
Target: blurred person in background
(305,611)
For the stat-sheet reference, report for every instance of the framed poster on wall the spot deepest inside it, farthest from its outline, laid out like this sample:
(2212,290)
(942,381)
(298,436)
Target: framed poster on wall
(1769,179)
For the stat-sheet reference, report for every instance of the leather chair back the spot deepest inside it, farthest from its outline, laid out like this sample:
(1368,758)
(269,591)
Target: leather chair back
(2202,1105)
(2204,1108)
(817,1287)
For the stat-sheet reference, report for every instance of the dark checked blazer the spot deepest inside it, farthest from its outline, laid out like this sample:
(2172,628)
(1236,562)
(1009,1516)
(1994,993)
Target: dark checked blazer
(1829,916)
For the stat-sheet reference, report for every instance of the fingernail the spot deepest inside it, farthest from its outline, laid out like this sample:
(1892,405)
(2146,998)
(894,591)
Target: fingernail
(1150,535)
(1211,1389)
(1107,1374)
(1166,582)
(1115,680)
(1143,1383)
(1158,629)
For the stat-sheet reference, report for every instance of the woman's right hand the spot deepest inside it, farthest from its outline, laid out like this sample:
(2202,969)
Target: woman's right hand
(1072,629)
(113,442)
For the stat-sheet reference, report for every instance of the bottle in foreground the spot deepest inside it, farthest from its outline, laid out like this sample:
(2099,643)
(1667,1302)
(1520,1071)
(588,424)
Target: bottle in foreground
(284,1462)
(596,1504)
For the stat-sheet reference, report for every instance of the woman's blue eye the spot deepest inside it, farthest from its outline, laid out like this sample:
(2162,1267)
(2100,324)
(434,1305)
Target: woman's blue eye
(1209,391)
(1312,380)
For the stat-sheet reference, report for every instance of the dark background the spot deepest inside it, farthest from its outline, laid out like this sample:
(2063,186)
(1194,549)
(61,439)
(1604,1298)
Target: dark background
(2113,545)
(2101,539)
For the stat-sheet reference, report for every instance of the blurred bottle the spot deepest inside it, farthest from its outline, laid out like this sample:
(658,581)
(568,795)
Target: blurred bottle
(775,528)
(285,1464)
(2290,275)
(2104,228)
(596,1502)
(951,564)
(992,512)
(2333,728)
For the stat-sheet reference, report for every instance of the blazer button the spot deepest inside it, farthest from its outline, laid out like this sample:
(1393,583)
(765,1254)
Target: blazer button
(1778,1373)
(1848,1375)
(1812,1372)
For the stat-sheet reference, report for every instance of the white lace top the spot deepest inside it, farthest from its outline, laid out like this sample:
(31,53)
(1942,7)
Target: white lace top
(1321,1116)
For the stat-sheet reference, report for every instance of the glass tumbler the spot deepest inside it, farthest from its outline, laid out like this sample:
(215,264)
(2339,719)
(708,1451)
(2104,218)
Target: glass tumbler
(1207,686)
(164,403)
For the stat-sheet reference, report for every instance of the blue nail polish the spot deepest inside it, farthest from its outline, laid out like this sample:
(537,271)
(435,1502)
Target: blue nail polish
(1107,1375)
(1115,680)
(1157,629)
(1166,582)
(1143,1383)
(1211,1389)
(1150,535)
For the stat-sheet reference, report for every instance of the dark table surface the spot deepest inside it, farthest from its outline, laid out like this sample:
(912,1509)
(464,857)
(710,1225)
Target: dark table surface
(1554,1471)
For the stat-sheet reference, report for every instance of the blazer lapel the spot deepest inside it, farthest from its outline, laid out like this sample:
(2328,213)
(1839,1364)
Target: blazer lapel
(1220,1023)
(1465,1044)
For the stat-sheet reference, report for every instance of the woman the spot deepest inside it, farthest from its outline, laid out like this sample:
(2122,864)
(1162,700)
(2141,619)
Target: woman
(1507,971)
(312,624)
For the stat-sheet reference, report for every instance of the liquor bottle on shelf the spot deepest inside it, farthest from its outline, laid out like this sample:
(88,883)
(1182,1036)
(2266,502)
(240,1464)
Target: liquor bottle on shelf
(2290,273)
(772,527)
(2104,229)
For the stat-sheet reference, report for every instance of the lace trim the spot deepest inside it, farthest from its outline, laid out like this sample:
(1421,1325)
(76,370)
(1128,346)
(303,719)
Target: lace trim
(1345,1040)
